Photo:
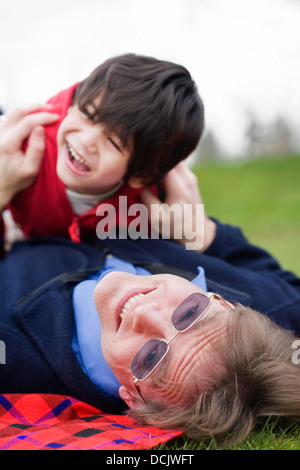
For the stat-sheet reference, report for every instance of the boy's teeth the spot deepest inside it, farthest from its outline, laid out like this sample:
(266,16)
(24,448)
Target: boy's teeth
(129,302)
(75,155)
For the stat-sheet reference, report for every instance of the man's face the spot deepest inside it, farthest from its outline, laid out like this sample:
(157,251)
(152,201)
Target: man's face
(89,161)
(149,303)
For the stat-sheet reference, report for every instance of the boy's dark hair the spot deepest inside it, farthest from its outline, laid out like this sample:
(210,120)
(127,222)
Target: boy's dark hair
(154,101)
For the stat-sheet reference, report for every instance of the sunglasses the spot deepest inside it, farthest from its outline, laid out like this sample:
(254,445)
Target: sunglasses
(149,357)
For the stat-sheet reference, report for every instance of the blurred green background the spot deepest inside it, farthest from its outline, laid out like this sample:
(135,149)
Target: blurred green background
(262,196)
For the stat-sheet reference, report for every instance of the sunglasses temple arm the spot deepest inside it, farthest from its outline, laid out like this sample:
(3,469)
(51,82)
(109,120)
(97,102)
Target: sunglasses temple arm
(140,393)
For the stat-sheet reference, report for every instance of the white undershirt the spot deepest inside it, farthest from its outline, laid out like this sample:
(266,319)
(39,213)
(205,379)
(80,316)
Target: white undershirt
(82,203)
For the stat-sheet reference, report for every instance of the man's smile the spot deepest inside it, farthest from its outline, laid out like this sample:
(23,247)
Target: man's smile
(127,301)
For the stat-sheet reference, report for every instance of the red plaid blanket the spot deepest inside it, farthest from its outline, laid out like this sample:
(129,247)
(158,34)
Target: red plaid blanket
(53,422)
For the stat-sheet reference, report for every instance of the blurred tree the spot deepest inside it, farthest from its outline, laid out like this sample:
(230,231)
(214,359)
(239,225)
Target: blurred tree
(283,141)
(253,133)
(273,138)
(208,149)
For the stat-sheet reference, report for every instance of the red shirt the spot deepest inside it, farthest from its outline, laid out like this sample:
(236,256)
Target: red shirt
(44,209)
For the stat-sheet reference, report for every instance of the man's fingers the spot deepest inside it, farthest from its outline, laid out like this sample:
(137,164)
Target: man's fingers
(14,116)
(35,150)
(25,126)
(17,125)
(148,198)
(181,184)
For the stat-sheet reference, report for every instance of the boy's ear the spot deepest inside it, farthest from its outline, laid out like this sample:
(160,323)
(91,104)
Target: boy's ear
(127,396)
(135,182)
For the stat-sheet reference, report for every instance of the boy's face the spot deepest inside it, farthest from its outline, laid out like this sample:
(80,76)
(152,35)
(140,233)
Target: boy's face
(89,161)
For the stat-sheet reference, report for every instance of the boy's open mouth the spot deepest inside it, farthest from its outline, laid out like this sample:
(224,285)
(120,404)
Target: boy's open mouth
(77,161)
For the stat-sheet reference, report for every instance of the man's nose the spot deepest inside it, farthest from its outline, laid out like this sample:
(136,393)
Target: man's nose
(149,319)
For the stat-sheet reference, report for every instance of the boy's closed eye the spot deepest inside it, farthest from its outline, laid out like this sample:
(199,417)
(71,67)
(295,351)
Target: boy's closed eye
(89,112)
(115,143)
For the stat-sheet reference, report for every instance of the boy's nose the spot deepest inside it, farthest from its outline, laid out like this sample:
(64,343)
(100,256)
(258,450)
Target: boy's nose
(89,139)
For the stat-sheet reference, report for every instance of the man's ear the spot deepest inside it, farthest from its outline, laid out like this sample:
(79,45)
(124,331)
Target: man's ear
(135,182)
(127,396)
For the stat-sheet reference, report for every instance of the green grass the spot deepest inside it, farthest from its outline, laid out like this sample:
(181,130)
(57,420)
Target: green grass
(270,435)
(261,196)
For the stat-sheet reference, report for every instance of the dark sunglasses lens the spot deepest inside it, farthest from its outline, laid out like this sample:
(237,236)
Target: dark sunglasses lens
(147,358)
(189,311)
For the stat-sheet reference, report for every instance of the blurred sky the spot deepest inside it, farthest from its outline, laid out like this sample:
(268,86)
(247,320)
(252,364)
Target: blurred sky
(243,54)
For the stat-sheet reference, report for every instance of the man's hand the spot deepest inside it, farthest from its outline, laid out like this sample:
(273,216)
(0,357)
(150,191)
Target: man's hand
(19,169)
(181,216)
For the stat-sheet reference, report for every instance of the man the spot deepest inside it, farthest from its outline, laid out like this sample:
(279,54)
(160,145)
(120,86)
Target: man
(213,366)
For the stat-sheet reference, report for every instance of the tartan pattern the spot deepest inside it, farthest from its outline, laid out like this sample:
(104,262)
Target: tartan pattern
(58,422)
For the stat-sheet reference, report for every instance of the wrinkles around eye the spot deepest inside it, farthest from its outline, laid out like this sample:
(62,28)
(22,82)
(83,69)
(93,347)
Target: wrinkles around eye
(207,330)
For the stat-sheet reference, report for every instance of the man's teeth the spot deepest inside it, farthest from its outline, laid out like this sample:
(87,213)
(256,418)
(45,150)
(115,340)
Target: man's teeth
(129,302)
(75,155)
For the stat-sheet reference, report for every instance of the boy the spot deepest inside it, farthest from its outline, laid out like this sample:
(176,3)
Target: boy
(124,127)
